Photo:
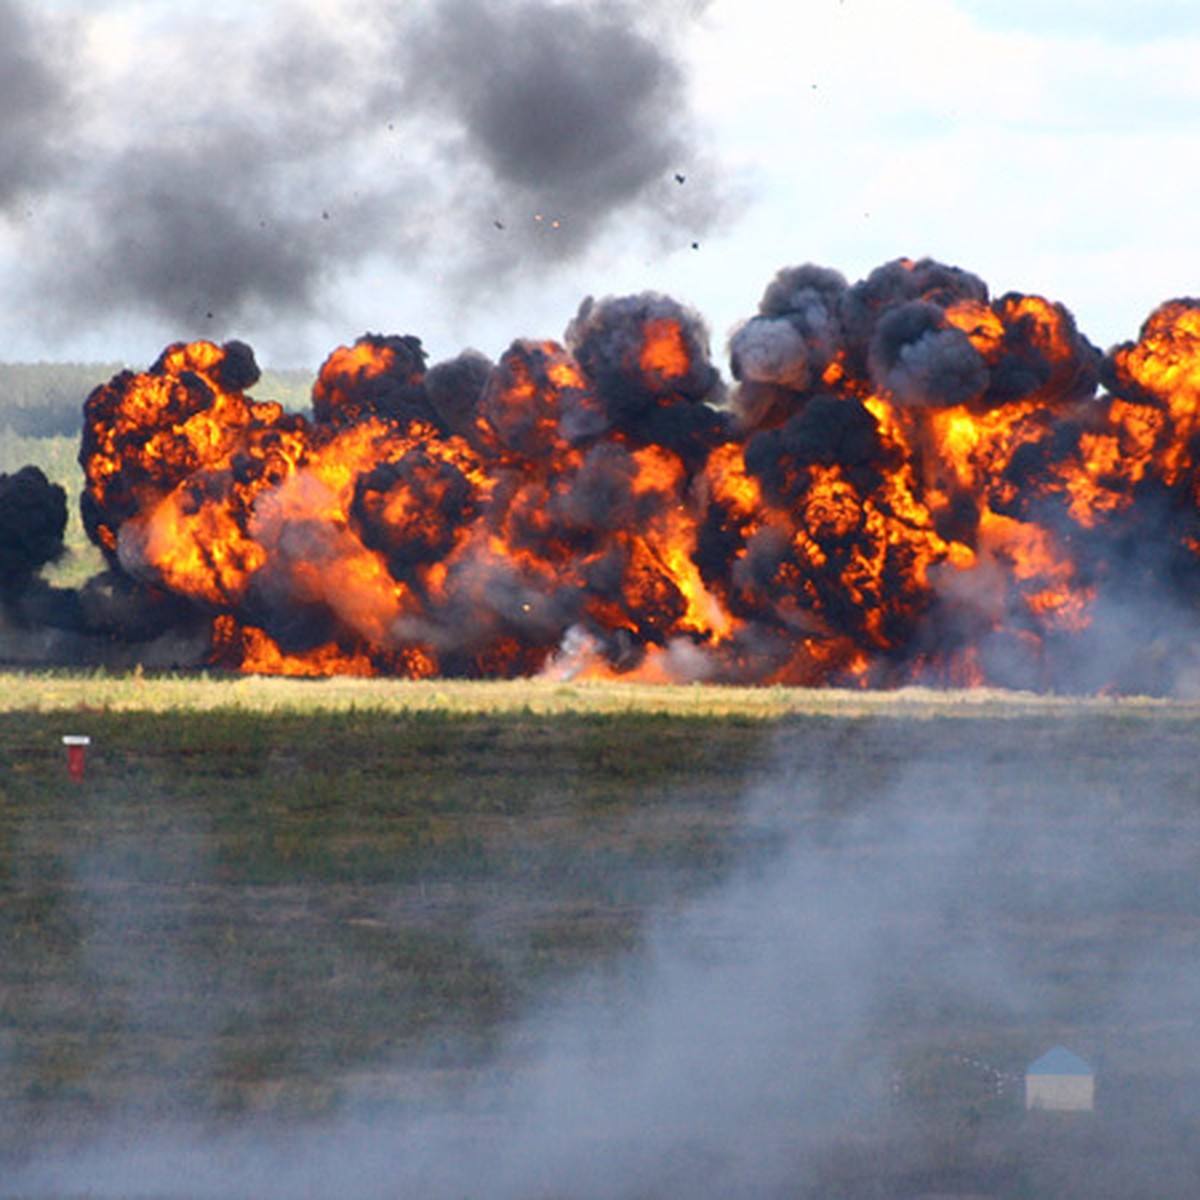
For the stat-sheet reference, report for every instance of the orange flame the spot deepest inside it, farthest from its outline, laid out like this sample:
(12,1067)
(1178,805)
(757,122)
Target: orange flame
(664,354)
(593,510)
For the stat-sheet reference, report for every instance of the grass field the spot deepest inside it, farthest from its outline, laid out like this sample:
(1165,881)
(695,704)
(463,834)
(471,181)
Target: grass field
(274,900)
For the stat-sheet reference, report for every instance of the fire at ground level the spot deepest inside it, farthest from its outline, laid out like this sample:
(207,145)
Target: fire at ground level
(907,481)
(1155,667)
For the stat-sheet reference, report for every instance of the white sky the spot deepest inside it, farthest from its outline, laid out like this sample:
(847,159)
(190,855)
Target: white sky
(1049,147)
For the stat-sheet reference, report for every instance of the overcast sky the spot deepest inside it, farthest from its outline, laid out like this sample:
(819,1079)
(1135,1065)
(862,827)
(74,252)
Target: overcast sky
(297,173)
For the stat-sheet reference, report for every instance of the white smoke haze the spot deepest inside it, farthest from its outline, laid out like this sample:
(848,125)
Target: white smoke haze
(882,910)
(679,661)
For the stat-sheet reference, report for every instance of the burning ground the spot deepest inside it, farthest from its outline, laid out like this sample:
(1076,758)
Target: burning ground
(906,480)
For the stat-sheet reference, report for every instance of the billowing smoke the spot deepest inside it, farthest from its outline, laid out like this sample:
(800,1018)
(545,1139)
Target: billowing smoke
(195,232)
(33,519)
(794,338)
(646,358)
(230,171)
(33,522)
(576,114)
(916,358)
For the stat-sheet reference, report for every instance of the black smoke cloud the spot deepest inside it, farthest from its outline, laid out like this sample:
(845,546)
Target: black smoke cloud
(234,171)
(797,332)
(33,519)
(169,237)
(606,339)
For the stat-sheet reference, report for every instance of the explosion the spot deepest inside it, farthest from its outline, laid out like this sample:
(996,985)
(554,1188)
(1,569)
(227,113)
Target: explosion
(907,481)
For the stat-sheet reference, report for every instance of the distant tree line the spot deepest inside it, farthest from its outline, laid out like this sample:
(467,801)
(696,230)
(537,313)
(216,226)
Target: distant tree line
(45,399)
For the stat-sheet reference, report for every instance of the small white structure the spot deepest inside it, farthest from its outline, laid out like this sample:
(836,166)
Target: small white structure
(1060,1081)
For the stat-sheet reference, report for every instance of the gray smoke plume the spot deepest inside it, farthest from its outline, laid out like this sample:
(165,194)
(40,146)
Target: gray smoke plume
(891,329)
(194,233)
(787,346)
(771,350)
(573,115)
(916,358)
(239,170)
(36,103)
(215,179)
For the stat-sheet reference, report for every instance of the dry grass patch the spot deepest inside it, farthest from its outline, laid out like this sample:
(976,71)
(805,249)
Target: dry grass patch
(61,691)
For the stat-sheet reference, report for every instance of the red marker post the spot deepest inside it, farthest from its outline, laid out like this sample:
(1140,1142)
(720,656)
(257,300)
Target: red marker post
(76,744)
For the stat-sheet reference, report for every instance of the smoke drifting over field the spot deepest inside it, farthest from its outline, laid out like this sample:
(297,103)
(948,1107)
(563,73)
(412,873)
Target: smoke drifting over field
(849,1014)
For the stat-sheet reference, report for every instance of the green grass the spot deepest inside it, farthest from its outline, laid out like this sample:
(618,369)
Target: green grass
(266,893)
(301,892)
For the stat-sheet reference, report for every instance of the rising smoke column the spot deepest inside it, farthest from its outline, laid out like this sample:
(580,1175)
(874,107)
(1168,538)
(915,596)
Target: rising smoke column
(576,116)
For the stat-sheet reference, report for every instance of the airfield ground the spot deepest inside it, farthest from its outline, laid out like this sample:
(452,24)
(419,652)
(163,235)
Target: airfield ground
(267,896)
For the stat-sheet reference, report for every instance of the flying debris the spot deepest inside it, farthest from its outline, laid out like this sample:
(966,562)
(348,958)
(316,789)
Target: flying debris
(908,481)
